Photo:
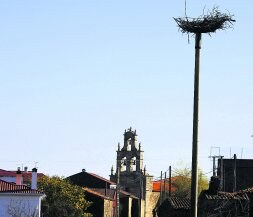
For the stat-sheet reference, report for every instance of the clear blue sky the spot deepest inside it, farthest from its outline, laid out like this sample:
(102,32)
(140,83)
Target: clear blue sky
(75,74)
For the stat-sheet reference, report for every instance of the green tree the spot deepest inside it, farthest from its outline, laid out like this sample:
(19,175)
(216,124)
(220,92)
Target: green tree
(62,198)
(182,182)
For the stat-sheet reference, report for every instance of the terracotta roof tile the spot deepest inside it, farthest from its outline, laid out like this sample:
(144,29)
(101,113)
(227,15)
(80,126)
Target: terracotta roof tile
(7,173)
(7,187)
(179,203)
(27,176)
(157,185)
(227,196)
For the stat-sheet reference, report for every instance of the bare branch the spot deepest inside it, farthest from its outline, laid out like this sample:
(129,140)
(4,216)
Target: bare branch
(207,23)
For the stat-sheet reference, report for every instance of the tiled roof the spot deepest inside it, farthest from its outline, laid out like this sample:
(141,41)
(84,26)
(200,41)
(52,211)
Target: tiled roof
(248,190)
(98,193)
(101,178)
(110,193)
(157,185)
(227,196)
(7,187)
(7,173)
(179,203)
(27,176)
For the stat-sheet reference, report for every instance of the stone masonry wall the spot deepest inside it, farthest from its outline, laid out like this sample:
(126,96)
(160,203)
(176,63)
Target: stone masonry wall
(108,208)
(151,198)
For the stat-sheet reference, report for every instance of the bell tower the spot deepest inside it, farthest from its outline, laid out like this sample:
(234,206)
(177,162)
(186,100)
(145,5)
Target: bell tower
(129,157)
(130,165)
(131,176)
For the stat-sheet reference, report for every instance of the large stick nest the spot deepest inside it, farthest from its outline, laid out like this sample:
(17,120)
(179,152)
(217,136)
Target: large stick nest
(208,23)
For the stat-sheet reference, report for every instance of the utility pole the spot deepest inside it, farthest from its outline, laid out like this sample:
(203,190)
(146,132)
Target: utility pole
(214,167)
(161,187)
(205,24)
(234,184)
(170,181)
(194,180)
(214,163)
(164,187)
(222,184)
(118,192)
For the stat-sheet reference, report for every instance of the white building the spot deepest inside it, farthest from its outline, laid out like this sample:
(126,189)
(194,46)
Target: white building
(20,200)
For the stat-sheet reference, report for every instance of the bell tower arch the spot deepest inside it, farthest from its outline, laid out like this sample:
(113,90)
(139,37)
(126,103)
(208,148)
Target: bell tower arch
(130,157)
(130,174)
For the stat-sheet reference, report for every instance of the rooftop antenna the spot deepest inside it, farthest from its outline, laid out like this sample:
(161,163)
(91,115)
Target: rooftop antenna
(241,152)
(213,157)
(211,151)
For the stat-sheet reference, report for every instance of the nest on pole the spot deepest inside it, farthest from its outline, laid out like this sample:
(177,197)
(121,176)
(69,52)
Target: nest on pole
(208,23)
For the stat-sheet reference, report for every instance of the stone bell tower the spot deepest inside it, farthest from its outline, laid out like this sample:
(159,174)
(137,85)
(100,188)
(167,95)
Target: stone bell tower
(130,165)
(131,176)
(129,157)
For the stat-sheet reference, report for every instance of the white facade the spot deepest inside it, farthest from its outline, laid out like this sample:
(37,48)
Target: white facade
(20,204)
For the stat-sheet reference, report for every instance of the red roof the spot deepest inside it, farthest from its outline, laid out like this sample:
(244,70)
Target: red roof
(157,185)
(7,173)
(7,187)
(27,176)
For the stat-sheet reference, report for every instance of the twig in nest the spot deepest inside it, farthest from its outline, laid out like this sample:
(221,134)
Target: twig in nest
(208,23)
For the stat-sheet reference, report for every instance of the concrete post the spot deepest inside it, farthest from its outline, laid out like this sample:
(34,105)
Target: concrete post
(118,192)
(234,184)
(170,181)
(194,180)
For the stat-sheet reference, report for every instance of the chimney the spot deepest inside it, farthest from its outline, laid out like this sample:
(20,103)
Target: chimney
(18,177)
(25,169)
(34,179)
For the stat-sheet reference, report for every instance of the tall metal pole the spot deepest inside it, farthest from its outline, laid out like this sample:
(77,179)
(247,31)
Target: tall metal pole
(194,181)
(164,187)
(214,167)
(169,181)
(161,187)
(221,174)
(118,192)
(234,184)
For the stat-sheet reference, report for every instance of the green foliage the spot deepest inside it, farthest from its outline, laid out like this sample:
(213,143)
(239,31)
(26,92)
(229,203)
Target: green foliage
(62,198)
(203,182)
(182,182)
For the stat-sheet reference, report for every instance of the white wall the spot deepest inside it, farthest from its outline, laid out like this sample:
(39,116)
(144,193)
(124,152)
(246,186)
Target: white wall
(21,205)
